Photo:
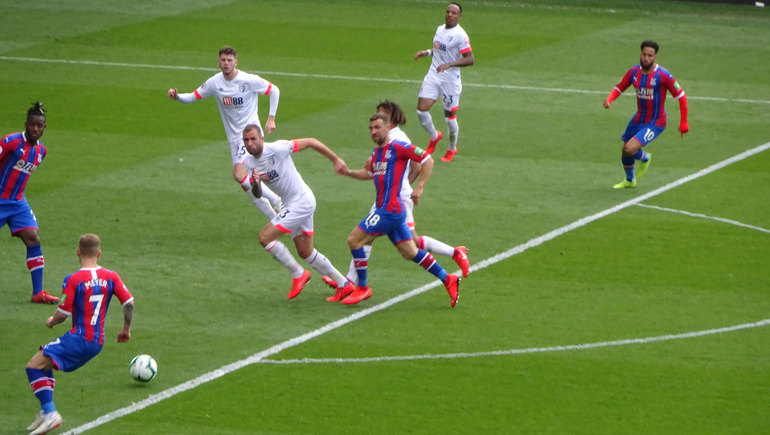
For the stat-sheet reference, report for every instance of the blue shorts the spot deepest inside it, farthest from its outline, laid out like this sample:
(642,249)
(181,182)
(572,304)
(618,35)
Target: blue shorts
(380,221)
(18,215)
(644,133)
(70,351)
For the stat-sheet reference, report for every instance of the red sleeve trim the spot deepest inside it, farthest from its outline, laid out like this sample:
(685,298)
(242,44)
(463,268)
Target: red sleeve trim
(269,88)
(197,95)
(465,50)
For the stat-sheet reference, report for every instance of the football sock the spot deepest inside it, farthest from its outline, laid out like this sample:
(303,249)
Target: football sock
(282,254)
(427,123)
(430,264)
(35,265)
(361,260)
(628,166)
(640,155)
(454,132)
(262,204)
(42,383)
(352,274)
(322,264)
(435,246)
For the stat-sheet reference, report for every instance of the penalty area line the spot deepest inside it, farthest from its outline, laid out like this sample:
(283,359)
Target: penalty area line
(260,356)
(585,346)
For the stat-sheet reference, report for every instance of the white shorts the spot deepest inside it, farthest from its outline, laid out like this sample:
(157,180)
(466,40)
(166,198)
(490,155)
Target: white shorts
(296,217)
(446,85)
(237,151)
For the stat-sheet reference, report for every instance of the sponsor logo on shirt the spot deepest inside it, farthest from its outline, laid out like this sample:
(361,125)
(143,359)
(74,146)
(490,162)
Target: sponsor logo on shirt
(646,93)
(232,101)
(25,167)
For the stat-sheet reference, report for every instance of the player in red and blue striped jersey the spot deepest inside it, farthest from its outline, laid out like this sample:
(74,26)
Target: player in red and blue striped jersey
(387,165)
(651,82)
(20,154)
(87,295)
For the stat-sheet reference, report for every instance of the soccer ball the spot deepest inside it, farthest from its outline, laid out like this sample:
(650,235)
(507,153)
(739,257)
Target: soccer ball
(143,368)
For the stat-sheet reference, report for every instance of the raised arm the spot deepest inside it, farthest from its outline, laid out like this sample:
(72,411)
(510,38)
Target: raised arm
(339,165)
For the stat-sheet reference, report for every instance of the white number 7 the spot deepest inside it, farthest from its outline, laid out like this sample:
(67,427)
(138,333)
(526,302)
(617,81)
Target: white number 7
(98,299)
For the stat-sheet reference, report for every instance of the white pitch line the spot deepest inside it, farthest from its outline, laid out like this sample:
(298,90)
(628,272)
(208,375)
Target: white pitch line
(353,78)
(260,356)
(713,218)
(585,346)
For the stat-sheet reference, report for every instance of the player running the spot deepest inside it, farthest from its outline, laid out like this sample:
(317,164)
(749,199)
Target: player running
(459,254)
(271,163)
(388,162)
(236,93)
(651,82)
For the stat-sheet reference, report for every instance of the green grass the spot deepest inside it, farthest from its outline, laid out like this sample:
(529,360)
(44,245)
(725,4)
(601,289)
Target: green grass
(537,152)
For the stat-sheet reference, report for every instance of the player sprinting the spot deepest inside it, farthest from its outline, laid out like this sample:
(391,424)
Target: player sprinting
(388,162)
(459,254)
(451,50)
(651,82)
(271,164)
(20,154)
(87,295)
(237,93)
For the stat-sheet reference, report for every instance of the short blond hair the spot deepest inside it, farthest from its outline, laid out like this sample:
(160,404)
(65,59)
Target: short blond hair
(89,245)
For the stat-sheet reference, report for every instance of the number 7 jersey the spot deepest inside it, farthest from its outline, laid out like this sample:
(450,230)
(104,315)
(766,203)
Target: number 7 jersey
(87,295)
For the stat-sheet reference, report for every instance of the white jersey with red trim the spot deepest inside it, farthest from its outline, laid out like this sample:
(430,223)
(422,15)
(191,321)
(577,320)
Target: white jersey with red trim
(406,189)
(449,45)
(237,100)
(276,165)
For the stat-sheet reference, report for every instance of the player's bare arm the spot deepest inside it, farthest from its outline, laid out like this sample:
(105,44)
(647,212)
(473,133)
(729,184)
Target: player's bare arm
(128,314)
(466,60)
(339,165)
(54,320)
(256,183)
(422,53)
(425,172)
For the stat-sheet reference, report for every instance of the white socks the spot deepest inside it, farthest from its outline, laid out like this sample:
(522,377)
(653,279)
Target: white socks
(282,254)
(322,265)
(454,131)
(427,123)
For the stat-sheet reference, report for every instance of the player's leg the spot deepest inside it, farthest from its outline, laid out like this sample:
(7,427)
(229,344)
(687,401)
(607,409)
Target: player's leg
(357,239)
(429,93)
(268,238)
(635,138)
(451,104)
(409,250)
(66,353)
(24,226)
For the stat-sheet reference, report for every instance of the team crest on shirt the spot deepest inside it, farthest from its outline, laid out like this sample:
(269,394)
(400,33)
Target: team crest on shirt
(653,81)
(242,88)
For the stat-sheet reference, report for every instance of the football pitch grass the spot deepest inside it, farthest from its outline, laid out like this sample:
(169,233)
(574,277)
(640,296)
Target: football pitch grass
(588,310)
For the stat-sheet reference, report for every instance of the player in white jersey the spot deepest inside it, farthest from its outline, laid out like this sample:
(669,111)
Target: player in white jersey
(236,93)
(451,50)
(459,254)
(270,163)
